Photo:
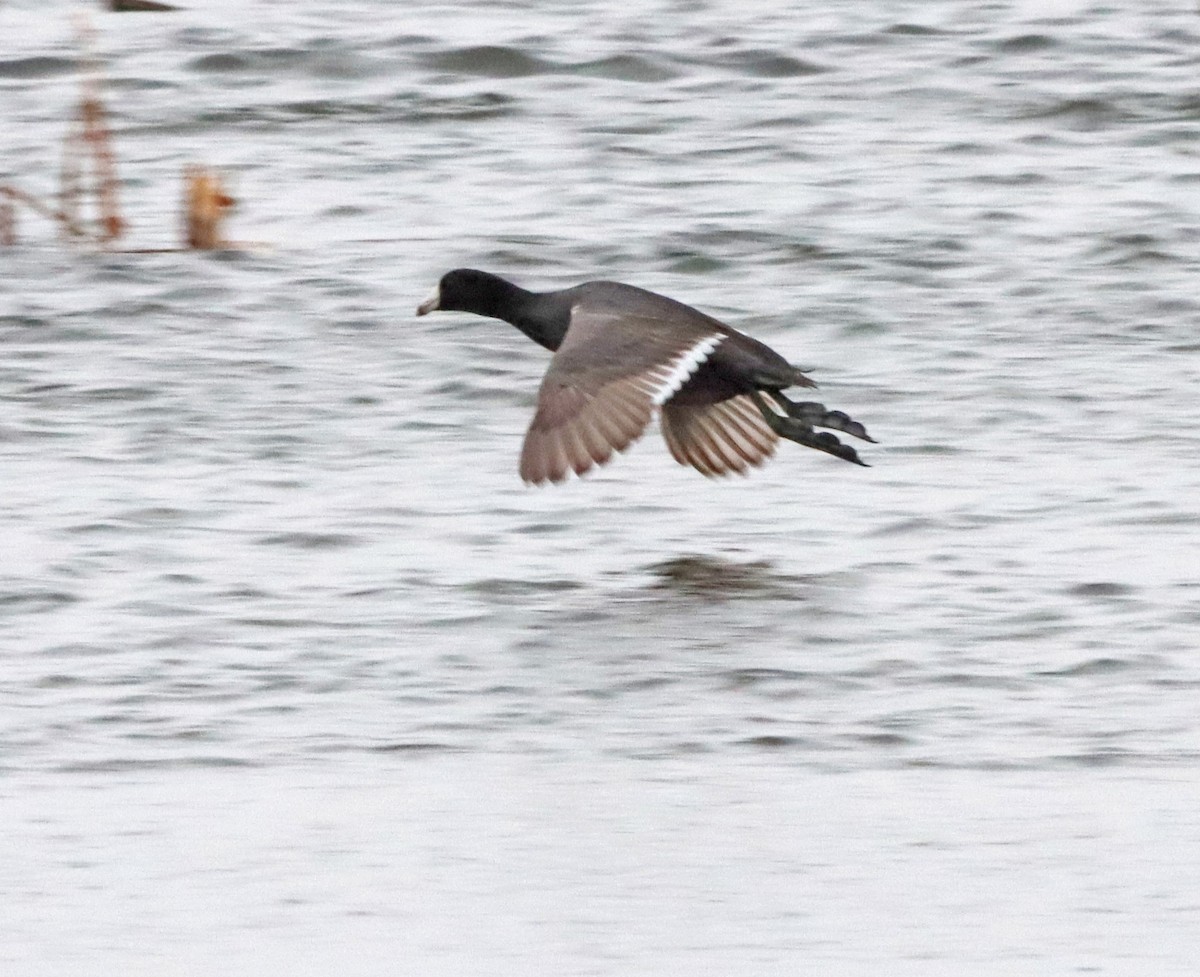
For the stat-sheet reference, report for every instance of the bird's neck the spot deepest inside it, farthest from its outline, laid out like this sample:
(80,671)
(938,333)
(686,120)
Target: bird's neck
(542,317)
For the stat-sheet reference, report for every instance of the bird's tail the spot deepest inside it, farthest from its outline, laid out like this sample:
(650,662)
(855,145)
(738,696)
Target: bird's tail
(801,379)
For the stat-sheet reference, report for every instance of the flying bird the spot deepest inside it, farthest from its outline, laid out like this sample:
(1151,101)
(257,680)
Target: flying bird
(621,354)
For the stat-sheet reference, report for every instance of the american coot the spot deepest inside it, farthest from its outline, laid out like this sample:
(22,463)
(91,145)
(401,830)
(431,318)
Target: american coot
(620,352)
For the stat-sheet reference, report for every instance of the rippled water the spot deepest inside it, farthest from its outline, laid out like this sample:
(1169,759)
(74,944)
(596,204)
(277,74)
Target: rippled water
(299,678)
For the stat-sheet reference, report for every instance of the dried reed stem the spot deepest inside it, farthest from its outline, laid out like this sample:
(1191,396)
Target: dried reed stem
(90,138)
(88,147)
(205,207)
(12,194)
(8,221)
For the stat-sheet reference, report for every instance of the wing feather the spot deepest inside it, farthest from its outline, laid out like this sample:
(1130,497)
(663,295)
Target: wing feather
(603,387)
(717,439)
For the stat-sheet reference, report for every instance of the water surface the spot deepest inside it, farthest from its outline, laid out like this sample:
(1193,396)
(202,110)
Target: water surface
(299,678)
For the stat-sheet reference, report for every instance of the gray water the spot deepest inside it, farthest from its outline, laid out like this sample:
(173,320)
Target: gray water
(298,677)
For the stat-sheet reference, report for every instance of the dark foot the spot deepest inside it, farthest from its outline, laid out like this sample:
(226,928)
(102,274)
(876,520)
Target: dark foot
(799,430)
(815,415)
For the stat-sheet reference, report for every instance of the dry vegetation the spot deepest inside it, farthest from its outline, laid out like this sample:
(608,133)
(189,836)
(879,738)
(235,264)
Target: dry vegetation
(88,207)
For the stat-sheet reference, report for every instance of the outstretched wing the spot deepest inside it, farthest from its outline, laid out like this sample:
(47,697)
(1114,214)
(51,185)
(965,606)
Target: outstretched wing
(716,439)
(604,383)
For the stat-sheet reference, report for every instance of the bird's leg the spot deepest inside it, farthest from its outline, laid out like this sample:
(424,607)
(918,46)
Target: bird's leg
(815,415)
(800,430)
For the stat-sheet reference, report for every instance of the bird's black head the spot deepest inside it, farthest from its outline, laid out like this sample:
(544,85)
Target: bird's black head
(468,290)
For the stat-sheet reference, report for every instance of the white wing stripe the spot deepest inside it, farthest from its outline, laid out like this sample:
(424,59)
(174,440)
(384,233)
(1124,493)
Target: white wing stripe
(673,375)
